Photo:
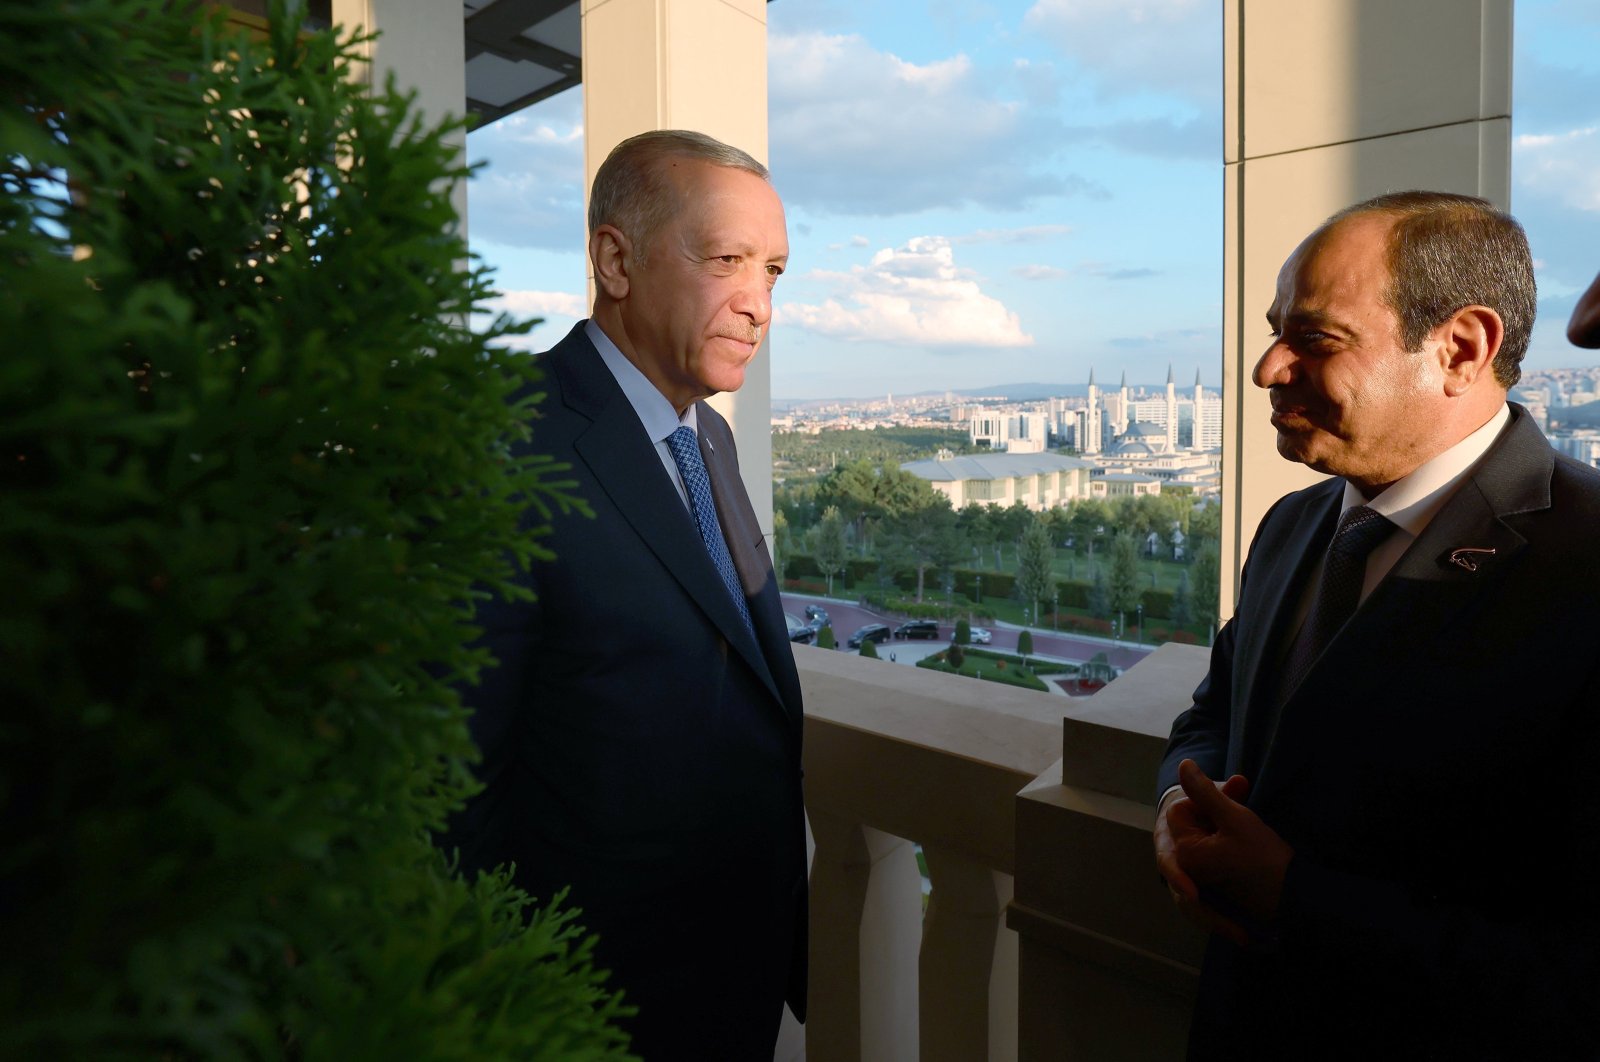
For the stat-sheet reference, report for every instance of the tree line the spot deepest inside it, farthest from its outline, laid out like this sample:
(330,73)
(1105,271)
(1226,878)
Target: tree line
(1100,552)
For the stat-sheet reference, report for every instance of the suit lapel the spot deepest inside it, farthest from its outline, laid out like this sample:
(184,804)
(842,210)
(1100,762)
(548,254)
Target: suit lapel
(1463,554)
(1281,567)
(626,466)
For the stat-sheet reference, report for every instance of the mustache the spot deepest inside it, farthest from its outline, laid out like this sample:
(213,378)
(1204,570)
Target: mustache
(753,336)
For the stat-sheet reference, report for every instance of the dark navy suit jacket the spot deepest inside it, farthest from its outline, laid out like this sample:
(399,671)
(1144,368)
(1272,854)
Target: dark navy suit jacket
(638,745)
(1436,774)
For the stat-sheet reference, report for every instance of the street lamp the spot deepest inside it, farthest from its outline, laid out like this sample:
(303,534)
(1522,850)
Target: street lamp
(1141,622)
(1055,610)
(1122,624)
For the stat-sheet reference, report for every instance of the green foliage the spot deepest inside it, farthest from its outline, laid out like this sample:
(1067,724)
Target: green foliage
(1025,644)
(963,632)
(829,550)
(980,666)
(1207,584)
(1035,580)
(1123,587)
(825,638)
(869,648)
(922,538)
(253,468)
(796,452)
(1099,597)
(782,544)
(1181,611)
(956,655)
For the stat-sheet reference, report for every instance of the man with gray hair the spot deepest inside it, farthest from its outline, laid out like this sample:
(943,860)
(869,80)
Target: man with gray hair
(1380,803)
(641,736)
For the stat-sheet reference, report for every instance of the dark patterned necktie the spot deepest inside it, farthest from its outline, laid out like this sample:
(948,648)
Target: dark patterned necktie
(1344,569)
(685,449)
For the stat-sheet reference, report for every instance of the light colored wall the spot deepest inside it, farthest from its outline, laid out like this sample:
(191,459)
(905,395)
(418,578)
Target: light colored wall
(687,64)
(1327,102)
(422,45)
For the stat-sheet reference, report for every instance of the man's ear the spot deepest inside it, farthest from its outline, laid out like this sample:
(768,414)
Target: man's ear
(612,256)
(1469,340)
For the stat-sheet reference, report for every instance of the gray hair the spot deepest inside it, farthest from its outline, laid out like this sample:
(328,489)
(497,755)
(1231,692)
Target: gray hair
(631,189)
(1448,251)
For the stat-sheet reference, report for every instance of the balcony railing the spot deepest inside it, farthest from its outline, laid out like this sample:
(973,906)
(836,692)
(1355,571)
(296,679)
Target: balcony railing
(1046,934)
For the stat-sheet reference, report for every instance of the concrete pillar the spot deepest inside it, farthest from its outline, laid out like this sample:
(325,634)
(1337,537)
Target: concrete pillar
(866,928)
(1327,102)
(968,967)
(421,44)
(687,64)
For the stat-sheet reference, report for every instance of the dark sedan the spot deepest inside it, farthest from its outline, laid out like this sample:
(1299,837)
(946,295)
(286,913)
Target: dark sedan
(872,632)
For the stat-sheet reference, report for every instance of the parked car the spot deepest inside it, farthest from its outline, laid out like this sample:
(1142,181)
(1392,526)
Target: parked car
(872,632)
(917,629)
(817,617)
(981,636)
(798,631)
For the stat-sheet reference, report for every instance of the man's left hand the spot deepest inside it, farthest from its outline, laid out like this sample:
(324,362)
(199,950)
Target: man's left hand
(1225,848)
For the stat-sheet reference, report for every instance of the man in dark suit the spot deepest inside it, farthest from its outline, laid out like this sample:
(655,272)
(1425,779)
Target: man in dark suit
(1401,859)
(641,736)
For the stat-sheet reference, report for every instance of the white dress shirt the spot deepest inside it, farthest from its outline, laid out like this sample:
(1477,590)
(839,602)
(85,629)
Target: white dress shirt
(655,412)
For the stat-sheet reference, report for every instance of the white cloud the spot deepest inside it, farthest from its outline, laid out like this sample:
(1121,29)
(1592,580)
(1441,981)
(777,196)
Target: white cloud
(1038,272)
(525,304)
(531,194)
(860,131)
(1024,234)
(1162,46)
(913,296)
(1563,167)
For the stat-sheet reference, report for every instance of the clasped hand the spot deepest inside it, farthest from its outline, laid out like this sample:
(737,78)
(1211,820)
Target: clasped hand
(1206,840)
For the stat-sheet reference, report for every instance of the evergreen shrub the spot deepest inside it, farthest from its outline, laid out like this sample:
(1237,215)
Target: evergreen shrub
(254,465)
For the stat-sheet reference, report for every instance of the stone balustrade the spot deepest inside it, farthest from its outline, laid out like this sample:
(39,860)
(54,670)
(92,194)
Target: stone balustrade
(1035,836)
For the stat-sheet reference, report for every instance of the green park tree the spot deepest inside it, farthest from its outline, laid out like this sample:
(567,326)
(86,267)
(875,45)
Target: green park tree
(869,648)
(1123,586)
(963,635)
(782,543)
(956,655)
(829,547)
(1036,555)
(1099,597)
(922,538)
(825,638)
(1182,602)
(1207,584)
(1025,644)
(257,472)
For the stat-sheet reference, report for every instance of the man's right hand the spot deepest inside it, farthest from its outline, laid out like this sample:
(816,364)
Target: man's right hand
(1182,888)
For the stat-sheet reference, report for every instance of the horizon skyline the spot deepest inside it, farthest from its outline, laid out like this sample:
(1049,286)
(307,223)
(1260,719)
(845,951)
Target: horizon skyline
(1021,189)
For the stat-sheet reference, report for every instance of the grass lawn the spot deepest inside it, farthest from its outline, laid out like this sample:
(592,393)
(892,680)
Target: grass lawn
(981,667)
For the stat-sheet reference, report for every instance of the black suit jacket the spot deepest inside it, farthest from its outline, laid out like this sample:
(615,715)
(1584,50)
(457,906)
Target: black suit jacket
(638,745)
(1435,773)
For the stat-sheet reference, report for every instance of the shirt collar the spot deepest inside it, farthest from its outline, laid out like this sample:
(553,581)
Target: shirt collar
(655,412)
(1410,502)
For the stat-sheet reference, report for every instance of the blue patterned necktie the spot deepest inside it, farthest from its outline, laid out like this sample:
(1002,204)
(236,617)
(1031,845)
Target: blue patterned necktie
(685,449)
(1339,592)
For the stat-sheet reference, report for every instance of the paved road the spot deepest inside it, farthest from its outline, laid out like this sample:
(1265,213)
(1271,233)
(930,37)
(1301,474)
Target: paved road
(846,618)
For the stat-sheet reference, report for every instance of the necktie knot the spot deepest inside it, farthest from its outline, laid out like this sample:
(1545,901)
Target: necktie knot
(1359,532)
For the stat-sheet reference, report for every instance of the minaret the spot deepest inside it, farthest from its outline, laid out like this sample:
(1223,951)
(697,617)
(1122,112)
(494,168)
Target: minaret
(1122,414)
(1199,419)
(1172,413)
(1091,423)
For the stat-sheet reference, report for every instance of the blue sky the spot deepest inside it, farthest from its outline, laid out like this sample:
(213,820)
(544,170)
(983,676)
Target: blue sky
(1017,190)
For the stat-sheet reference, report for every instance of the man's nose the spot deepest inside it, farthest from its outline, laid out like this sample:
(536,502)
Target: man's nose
(1275,365)
(754,300)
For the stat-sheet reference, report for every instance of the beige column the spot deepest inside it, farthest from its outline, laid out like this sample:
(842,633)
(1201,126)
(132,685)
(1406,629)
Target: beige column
(687,64)
(866,928)
(421,44)
(1327,102)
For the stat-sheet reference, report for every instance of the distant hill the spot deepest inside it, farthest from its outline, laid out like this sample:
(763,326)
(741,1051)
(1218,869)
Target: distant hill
(1584,416)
